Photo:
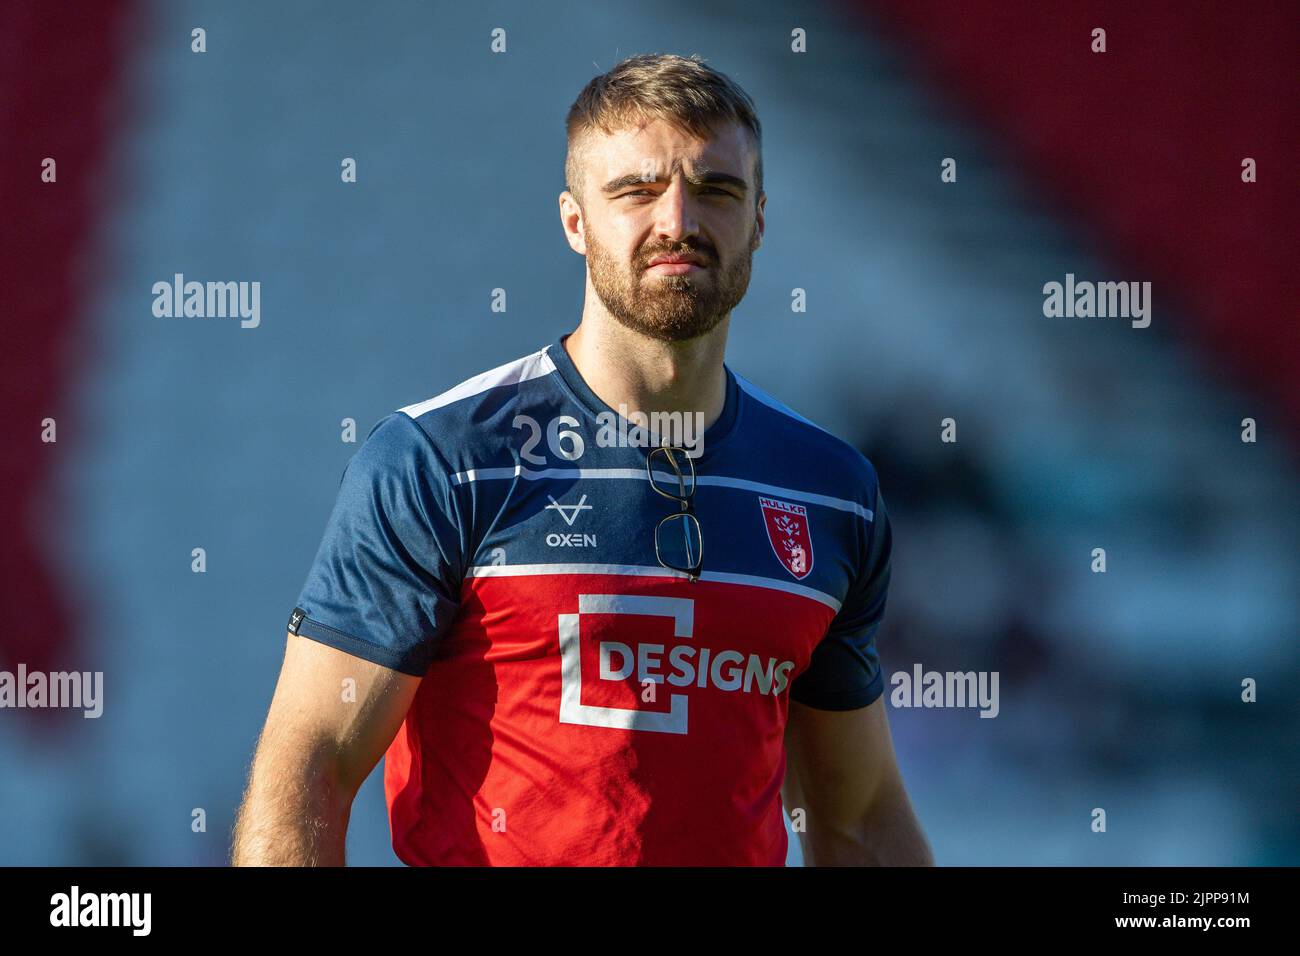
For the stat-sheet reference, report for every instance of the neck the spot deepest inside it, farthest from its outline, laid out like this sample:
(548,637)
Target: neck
(625,368)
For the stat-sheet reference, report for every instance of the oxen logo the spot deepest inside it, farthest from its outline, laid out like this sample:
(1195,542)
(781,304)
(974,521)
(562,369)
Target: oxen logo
(569,512)
(789,534)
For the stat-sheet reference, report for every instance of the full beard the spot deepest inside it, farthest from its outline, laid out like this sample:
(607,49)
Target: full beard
(671,308)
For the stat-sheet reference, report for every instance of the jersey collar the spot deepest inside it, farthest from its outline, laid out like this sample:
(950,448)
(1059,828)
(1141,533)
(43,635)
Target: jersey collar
(592,404)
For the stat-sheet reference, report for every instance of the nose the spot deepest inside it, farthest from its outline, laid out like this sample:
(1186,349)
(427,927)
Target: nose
(674,216)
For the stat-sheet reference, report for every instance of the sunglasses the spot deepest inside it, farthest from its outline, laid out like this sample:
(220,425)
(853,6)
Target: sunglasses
(679,544)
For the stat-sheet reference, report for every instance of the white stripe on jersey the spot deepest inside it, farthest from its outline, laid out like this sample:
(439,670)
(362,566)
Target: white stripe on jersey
(533,474)
(774,491)
(771,402)
(512,373)
(753,580)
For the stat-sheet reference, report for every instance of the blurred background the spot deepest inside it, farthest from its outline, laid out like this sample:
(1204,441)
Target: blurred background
(1119,690)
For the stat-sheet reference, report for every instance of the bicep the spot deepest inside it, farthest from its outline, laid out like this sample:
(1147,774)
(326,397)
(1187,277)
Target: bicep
(334,710)
(839,761)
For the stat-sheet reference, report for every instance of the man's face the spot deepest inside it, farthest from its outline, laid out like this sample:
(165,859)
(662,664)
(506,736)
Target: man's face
(658,191)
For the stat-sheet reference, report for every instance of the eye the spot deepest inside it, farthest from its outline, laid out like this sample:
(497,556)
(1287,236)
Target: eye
(716,190)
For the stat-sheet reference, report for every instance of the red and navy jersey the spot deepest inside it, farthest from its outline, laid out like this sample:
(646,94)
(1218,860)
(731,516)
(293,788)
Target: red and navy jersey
(581,703)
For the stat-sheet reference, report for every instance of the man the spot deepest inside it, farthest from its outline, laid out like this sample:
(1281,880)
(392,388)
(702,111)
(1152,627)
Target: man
(575,646)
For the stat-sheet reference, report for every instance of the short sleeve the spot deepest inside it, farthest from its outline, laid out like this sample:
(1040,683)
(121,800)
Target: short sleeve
(844,673)
(385,583)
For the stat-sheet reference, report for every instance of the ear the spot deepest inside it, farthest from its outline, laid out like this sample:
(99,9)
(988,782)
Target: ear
(571,220)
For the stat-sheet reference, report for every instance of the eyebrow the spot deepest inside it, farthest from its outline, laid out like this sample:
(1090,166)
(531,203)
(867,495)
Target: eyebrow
(705,177)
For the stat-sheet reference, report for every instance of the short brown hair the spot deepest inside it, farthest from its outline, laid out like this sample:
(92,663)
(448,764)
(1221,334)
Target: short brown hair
(681,90)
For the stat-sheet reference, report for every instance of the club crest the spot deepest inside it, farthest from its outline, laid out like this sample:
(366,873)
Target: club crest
(789,534)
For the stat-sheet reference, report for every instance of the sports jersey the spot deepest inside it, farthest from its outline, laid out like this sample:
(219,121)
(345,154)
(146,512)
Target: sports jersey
(581,704)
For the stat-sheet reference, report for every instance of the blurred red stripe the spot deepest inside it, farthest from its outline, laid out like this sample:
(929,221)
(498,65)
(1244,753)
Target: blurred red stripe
(59,68)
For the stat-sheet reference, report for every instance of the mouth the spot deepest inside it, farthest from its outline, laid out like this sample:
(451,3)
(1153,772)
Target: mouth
(672,265)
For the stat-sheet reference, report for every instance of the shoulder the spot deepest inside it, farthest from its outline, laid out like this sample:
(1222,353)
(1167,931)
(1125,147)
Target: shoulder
(471,423)
(813,453)
(505,379)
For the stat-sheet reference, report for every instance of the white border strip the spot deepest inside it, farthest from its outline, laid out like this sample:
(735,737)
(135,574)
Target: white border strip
(721,577)
(777,492)
(773,491)
(511,373)
(773,403)
(533,474)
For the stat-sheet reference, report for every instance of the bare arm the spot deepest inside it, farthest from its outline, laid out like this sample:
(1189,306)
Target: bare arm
(317,747)
(841,770)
